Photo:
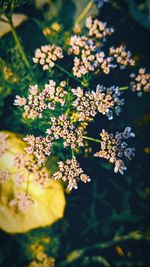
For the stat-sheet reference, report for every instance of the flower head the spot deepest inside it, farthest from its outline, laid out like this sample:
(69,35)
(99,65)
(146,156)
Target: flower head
(103,100)
(72,172)
(37,101)
(121,56)
(39,146)
(97,29)
(62,128)
(27,165)
(22,201)
(19,101)
(108,100)
(47,56)
(85,104)
(84,50)
(42,177)
(141,82)
(113,148)
(87,57)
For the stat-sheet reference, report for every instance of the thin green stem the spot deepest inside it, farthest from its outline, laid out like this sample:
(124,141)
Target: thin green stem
(72,152)
(69,102)
(67,72)
(18,43)
(124,88)
(91,139)
(135,235)
(84,12)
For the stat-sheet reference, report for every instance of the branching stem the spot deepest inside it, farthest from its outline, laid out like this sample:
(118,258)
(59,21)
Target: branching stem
(67,72)
(91,139)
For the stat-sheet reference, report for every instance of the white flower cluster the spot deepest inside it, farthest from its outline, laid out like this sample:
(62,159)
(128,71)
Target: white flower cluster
(37,101)
(141,82)
(113,148)
(62,128)
(47,55)
(103,100)
(72,172)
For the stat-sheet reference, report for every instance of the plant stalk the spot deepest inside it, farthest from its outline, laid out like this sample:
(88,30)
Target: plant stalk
(124,88)
(67,72)
(72,152)
(91,139)
(84,12)
(18,43)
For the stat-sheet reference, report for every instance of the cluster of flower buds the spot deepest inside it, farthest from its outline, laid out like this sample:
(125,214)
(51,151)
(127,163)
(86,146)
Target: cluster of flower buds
(22,201)
(78,43)
(26,166)
(33,105)
(54,93)
(103,100)
(3,143)
(104,63)
(39,146)
(97,29)
(84,50)
(108,100)
(42,177)
(47,56)
(84,104)
(87,57)
(62,128)
(121,56)
(82,67)
(37,102)
(71,172)
(23,161)
(141,82)
(113,148)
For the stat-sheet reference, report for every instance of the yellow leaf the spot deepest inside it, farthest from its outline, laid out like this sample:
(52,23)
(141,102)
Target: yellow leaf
(50,202)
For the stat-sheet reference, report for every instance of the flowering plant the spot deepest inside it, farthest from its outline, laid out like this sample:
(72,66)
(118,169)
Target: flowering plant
(63,108)
(71,96)
(60,105)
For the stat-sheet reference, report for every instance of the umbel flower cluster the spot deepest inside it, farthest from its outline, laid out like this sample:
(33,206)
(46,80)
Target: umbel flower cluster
(40,100)
(65,105)
(141,82)
(47,55)
(71,171)
(25,167)
(103,100)
(113,148)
